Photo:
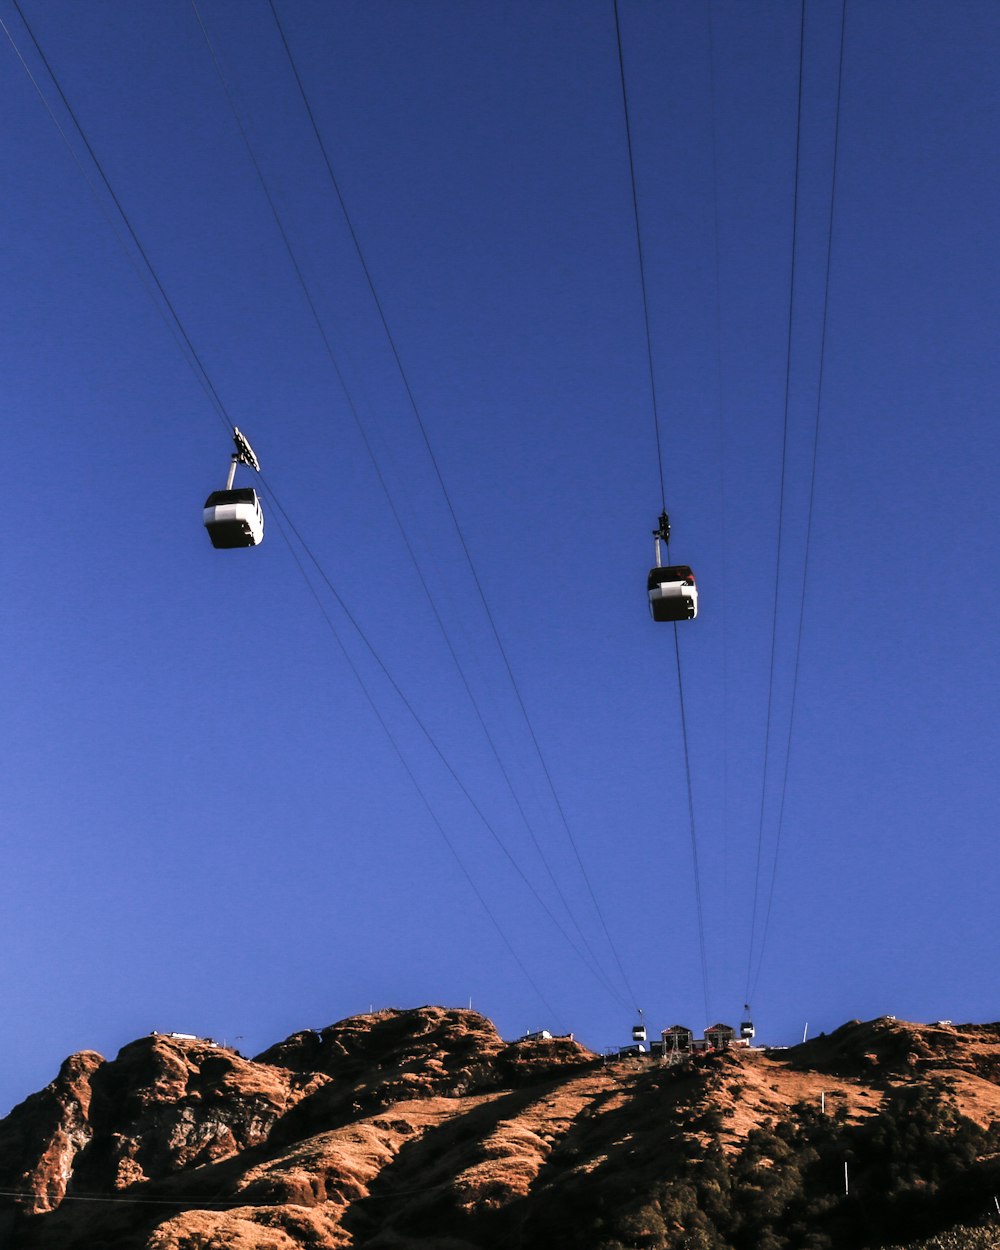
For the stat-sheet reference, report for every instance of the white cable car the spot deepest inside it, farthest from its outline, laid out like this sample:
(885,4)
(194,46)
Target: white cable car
(747,1031)
(233,517)
(639,1030)
(673,594)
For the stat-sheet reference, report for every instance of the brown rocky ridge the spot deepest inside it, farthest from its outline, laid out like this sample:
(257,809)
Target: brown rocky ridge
(423,1128)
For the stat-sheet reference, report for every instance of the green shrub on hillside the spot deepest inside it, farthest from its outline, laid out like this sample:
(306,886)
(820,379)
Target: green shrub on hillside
(961,1238)
(915,1167)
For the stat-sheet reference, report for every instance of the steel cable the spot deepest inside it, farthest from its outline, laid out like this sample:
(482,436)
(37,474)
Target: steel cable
(390,339)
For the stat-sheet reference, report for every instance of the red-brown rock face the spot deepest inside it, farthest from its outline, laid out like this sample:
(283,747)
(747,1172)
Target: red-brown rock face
(424,1128)
(41,1139)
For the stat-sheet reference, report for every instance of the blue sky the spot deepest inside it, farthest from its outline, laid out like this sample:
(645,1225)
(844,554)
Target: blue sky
(206,827)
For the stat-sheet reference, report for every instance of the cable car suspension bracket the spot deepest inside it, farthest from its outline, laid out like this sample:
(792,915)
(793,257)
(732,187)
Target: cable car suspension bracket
(661,534)
(244,454)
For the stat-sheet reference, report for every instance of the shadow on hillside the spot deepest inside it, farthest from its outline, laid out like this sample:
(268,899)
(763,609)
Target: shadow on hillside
(608,1152)
(125,1221)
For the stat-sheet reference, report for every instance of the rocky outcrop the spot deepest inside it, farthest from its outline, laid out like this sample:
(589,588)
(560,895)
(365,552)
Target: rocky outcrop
(165,1105)
(424,1128)
(42,1138)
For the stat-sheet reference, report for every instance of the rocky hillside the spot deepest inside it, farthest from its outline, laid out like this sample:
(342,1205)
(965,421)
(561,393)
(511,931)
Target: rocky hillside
(423,1128)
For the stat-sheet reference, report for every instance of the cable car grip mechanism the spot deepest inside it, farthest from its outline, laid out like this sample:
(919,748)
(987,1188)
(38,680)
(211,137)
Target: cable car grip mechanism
(661,534)
(244,454)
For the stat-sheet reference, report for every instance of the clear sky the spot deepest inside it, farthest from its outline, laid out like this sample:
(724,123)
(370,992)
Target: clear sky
(205,825)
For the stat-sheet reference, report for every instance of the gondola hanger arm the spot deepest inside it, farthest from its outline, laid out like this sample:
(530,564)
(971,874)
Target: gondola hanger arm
(661,534)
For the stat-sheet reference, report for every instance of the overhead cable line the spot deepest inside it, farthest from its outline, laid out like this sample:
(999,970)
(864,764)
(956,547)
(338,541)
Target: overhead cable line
(694,840)
(428,736)
(699,908)
(642,266)
(376,465)
(812,496)
(237,1200)
(221,410)
(447,496)
(202,372)
(781,499)
(145,273)
(195,1202)
(405,764)
(723,599)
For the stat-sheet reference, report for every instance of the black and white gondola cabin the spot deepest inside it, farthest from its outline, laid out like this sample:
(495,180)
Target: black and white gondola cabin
(234,517)
(673,594)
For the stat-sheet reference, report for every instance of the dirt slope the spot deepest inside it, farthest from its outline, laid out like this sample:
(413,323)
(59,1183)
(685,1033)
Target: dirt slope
(424,1128)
